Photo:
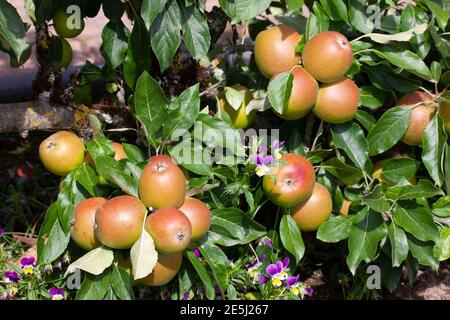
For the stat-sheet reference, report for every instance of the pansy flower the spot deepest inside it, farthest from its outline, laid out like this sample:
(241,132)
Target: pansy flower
(2,231)
(11,276)
(293,284)
(56,294)
(197,253)
(262,164)
(276,149)
(277,272)
(27,265)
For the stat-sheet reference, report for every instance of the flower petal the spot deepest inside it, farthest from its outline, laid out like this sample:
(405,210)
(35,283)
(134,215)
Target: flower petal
(292,280)
(286,262)
(262,148)
(267,160)
(280,266)
(272,269)
(262,280)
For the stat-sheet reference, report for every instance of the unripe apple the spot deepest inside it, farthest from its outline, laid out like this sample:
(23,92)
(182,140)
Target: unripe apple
(166,269)
(311,213)
(290,183)
(170,229)
(199,215)
(327,56)
(337,102)
(66,52)
(275,50)
(66,26)
(303,95)
(83,225)
(162,185)
(119,222)
(239,117)
(62,152)
(423,112)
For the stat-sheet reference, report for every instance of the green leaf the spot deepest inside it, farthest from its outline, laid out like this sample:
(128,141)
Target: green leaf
(279,91)
(399,169)
(94,287)
(149,105)
(122,283)
(294,5)
(367,120)
(231,226)
(367,231)
(406,60)
(100,147)
(384,78)
(203,274)
(52,240)
(150,10)
(113,9)
(137,59)
(376,200)
(165,34)
(234,97)
(349,137)
(184,115)
(133,152)
(218,262)
(442,248)
(93,262)
(357,12)
(372,97)
(423,189)
(348,174)
(239,10)
(195,31)
(399,244)
(291,237)
(69,196)
(86,176)
(143,255)
(389,130)
(434,139)
(114,43)
(114,171)
(335,9)
(439,13)
(416,220)
(12,32)
(335,229)
(423,252)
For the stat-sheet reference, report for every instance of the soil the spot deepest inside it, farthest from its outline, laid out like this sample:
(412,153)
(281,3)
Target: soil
(429,285)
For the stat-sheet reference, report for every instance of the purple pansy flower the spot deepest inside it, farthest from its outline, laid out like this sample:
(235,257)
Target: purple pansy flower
(262,149)
(197,253)
(11,276)
(291,281)
(56,294)
(277,272)
(309,291)
(276,149)
(262,164)
(28,265)
(2,231)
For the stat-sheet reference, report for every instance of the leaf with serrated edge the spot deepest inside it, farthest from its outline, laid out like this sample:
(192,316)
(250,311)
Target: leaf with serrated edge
(94,262)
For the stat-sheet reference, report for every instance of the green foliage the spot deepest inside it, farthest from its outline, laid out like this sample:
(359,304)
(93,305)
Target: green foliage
(392,220)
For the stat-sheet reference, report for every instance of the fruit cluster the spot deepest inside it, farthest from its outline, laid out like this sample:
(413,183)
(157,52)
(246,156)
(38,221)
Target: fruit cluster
(327,58)
(66,28)
(292,185)
(175,221)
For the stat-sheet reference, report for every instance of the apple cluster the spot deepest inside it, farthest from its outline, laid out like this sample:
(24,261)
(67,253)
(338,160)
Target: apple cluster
(175,221)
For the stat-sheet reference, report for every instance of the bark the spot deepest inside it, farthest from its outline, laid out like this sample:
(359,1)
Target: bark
(41,115)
